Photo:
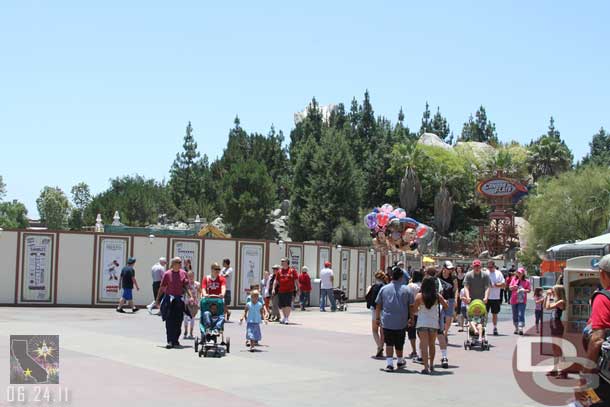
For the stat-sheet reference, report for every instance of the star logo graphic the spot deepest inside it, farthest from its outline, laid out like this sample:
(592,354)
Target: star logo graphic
(27,373)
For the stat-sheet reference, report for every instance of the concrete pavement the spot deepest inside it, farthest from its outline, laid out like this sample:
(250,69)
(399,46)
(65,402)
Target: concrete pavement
(322,359)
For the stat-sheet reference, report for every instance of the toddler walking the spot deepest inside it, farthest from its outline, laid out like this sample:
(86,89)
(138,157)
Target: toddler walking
(254,314)
(192,304)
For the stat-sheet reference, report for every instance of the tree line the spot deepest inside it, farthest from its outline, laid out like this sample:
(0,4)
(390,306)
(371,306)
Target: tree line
(333,170)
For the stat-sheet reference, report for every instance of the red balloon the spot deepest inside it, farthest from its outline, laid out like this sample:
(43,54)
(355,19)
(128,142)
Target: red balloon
(382,219)
(421,231)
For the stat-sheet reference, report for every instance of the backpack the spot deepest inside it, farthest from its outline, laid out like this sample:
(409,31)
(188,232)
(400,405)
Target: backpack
(371,295)
(603,362)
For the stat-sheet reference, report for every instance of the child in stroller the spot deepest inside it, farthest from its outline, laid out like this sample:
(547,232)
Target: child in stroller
(477,320)
(211,326)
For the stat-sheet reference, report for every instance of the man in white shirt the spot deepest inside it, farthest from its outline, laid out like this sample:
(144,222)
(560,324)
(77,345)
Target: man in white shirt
(227,273)
(157,272)
(327,281)
(494,302)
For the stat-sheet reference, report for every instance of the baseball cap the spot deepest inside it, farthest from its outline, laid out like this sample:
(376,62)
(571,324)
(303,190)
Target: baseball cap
(400,263)
(276,266)
(162,260)
(131,260)
(521,270)
(327,264)
(604,263)
(449,264)
(476,262)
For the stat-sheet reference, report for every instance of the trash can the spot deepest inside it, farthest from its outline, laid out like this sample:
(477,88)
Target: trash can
(314,296)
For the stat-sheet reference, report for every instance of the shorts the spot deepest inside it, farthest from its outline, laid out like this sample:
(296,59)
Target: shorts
(127,294)
(285,299)
(427,329)
(411,331)
(227,297)
(395,338)
(448,313)
(494,306)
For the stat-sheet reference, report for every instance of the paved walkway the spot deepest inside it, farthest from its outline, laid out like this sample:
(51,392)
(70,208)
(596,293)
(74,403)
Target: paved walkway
(322,359)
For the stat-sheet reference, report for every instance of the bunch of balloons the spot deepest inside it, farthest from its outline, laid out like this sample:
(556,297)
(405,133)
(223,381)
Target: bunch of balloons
(391,229)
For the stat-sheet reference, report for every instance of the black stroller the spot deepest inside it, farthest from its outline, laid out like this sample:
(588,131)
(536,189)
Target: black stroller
(340,299)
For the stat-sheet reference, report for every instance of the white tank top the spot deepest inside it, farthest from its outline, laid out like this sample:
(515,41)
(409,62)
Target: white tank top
(428,318)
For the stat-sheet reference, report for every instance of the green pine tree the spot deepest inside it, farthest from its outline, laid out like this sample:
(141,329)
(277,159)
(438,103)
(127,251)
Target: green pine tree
(334,190)
(480,129)
(248,197)
(298,228)
(426,122)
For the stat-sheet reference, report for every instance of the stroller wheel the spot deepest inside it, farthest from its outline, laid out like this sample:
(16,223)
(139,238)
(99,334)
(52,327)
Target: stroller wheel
(200,353)
(196,344)
(228,344)
(205,353)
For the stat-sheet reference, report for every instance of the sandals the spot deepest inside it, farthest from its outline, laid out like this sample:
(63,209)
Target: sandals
(425,371)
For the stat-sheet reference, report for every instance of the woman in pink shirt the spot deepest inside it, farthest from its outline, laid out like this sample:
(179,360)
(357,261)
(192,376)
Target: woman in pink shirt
(519,287)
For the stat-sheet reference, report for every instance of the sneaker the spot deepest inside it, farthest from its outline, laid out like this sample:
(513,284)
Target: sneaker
(169,346)
(121,310)
(413,355)
(402,364)
(495,331)
(445,363)
(516,331)
(389,368)
(521,332)
(419,359)
(134,309)
(177,344)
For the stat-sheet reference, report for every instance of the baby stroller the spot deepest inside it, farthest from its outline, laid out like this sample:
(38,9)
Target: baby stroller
(340,299)
(211,341)
(477,312)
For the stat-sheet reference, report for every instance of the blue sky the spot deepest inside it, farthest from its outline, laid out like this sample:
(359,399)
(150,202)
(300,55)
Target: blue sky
(88,93)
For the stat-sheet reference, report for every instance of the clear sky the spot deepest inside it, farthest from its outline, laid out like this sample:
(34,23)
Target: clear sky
(88,93)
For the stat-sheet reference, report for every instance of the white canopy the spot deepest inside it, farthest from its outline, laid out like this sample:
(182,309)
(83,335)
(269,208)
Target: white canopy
(602,239)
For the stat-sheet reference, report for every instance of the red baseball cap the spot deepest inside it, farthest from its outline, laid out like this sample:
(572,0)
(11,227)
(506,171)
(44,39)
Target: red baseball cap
(327,264)
(475,263)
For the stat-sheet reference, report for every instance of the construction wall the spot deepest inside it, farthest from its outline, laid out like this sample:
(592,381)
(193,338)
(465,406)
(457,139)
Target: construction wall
(51,268)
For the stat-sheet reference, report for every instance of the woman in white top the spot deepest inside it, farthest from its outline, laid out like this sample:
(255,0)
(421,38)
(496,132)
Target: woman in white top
(428,320)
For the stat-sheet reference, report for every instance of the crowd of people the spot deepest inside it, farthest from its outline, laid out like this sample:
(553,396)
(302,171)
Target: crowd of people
(405,303)
(423,304)
(177,296)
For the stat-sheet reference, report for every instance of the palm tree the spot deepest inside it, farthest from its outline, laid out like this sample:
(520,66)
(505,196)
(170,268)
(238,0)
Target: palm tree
(548,157)
(443,203)
(410,187)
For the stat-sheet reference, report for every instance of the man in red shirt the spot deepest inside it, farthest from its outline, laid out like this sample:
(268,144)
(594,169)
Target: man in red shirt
(600,326)
(214,285)
(173,285)
(286,284)
(304,287)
